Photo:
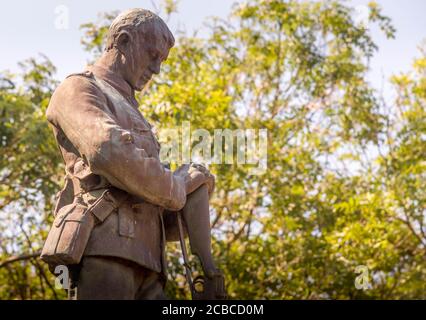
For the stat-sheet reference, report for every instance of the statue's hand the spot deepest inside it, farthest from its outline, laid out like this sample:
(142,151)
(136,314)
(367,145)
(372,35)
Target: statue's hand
(195,176)
(209,178)
(182,171)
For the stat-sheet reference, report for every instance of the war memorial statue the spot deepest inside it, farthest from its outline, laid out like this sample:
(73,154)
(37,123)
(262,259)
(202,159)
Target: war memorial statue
(120,204)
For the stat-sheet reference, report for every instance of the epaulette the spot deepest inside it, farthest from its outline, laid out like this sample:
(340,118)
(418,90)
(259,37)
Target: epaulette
(87,74)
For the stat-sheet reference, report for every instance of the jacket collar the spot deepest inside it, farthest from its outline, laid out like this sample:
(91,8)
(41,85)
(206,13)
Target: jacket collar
(116,81)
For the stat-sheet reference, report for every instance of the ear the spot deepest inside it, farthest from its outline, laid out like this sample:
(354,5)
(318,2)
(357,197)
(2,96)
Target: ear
(123,41)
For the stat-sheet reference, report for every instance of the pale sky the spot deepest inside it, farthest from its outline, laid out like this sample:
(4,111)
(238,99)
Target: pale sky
(28,28)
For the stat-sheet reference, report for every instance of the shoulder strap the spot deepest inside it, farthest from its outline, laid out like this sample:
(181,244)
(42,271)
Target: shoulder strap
(87,74)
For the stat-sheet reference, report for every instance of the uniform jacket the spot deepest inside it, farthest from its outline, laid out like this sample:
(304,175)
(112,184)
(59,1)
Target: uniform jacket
(105,140)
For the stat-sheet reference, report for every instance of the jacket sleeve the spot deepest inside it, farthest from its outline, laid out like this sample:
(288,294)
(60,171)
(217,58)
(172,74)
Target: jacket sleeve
(80,110)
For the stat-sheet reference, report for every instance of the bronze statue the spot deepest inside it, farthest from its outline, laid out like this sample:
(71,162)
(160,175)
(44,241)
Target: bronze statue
(120,204)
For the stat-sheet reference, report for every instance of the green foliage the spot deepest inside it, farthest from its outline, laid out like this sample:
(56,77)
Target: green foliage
(346,171)
(95,34)
(30,174)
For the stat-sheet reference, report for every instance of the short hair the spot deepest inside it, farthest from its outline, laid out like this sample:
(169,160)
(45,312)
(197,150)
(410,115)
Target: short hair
(135,21)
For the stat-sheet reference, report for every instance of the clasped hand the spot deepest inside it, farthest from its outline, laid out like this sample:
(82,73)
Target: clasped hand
(196,175)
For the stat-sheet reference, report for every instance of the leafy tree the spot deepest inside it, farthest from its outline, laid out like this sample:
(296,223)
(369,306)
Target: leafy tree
(30,174)
(344,185)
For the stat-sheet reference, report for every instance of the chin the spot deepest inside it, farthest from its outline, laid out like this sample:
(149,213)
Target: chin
(142,85)
(138,87)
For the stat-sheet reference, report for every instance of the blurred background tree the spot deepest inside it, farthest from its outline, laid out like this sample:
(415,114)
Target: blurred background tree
(345,182)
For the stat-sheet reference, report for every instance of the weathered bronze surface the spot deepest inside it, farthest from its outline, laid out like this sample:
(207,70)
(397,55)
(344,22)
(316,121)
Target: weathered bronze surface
(107,144)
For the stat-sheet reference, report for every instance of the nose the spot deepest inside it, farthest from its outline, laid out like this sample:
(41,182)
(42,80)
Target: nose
(155,68)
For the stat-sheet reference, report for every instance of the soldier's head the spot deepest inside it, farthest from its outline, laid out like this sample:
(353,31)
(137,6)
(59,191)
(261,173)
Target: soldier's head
(142,41)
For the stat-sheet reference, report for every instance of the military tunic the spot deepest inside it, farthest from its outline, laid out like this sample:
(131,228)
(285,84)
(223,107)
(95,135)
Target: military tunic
(105,141)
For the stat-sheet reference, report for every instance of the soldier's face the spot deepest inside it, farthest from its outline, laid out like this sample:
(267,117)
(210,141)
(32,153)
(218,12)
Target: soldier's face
(150,53)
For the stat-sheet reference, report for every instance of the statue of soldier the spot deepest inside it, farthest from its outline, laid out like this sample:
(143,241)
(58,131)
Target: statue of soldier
(113,170)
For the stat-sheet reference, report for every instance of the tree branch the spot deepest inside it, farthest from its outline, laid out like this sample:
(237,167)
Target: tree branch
(21,257)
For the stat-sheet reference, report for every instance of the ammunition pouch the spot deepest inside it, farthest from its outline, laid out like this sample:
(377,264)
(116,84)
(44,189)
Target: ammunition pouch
(73,225)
